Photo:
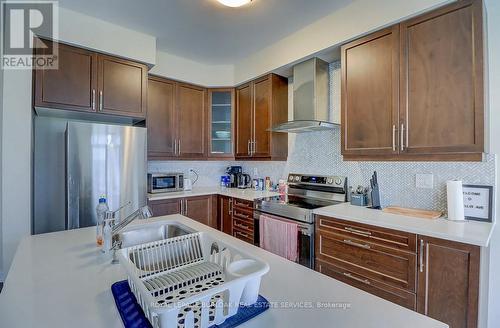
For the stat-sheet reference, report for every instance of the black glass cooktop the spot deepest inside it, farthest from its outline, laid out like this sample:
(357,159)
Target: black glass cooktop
(296,201)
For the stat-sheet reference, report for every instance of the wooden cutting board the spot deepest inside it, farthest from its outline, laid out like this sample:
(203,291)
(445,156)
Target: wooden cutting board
(414,212)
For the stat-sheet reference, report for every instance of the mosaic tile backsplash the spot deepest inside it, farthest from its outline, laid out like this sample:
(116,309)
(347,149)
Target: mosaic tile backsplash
(319,153)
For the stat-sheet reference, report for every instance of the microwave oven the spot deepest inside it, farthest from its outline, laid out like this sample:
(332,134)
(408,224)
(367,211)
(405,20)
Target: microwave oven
(165,182)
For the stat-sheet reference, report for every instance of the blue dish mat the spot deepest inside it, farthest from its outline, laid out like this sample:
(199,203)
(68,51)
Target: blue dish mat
(133,316)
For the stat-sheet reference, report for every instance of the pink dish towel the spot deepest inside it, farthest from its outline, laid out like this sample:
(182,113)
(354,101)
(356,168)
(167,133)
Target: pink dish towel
(279,237)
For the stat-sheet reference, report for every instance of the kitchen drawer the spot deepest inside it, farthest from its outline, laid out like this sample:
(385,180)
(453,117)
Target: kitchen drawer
(372,286)
(243,215)
(243,225)
(242,204)
(387,265)
(367,233)
(243,235)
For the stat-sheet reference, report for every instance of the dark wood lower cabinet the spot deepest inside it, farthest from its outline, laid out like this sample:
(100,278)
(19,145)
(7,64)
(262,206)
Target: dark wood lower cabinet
(235,217)
(439,278)
(372,286)
(165,206)
(225,214)
(448,282)
(199,208)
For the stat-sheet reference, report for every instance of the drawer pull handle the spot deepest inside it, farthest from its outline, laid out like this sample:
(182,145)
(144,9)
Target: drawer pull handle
(350,242)
(242,226)
(364,281)
(361,232)
(237,233)
(243,216)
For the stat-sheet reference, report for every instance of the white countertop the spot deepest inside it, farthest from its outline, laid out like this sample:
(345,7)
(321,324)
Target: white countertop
(470,232)
(247,194)
(62,280)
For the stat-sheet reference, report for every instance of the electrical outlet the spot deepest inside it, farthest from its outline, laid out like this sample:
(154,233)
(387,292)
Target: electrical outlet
(424,180)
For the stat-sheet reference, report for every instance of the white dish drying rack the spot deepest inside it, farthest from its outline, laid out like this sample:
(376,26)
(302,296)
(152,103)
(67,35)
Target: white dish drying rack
(191,281)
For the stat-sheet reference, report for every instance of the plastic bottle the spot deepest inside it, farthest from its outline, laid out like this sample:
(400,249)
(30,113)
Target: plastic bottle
(268,183)
(107,236)
(101,208)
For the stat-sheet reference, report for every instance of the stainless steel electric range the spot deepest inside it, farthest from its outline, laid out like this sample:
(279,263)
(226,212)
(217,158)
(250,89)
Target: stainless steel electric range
(305,193)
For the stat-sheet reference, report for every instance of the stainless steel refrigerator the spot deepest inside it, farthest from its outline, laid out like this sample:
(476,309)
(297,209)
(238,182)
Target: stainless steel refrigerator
(77,162)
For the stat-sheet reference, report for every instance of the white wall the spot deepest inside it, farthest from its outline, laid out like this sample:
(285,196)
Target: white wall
(359,17)
(493,26)
(89,32)
(16,161)
(186,70)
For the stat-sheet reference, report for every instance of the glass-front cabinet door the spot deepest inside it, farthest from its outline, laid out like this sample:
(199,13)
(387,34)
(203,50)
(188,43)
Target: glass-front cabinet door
(221,118)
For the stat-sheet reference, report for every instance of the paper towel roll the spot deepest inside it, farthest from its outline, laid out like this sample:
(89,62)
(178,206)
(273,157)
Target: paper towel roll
(455,197)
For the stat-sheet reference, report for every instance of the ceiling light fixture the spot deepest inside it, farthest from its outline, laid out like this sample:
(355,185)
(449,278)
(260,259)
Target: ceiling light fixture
(234,3)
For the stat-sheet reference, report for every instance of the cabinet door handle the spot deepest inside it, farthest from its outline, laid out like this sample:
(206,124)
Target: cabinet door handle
(426,303)
(179,147)
(100,100)
(361,232)
(352,243)
(175,146)
(402,137)
(248,148)
(93,99)
(349,275)
(394,137)
(421,256)
(254,147)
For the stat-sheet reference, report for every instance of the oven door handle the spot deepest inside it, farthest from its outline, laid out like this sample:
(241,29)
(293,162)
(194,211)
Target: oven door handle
(304,228)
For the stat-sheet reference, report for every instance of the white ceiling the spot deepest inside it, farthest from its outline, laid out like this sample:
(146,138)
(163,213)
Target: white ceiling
(204,30)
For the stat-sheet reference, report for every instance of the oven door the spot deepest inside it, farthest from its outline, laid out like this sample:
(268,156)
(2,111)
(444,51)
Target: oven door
(163,183)
(305,238)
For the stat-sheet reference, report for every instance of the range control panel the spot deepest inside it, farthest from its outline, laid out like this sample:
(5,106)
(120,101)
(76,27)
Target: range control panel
(333,180)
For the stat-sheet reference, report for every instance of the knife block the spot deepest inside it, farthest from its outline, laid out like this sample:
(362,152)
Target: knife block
(375,194)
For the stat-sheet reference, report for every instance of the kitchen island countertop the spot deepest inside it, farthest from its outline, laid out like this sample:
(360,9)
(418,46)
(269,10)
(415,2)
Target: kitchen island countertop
(62,280)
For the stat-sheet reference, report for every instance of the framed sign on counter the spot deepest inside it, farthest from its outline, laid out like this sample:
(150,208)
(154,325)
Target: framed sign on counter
(478,202)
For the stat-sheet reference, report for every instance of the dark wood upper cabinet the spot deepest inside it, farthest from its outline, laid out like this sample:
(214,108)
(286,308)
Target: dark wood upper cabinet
(73,85)
(191,121)
(244,120)
(122,87)
(370,94)
(262,117)
(176,120)
(448,282)
(161,118)
(260,105)
(415,91)
(442,80)
(91,82)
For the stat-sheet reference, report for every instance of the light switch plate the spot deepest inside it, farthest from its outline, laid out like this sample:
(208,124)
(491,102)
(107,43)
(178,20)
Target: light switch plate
(424,180)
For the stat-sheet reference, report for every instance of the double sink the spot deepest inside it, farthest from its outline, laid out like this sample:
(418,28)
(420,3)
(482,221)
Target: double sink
(149,232)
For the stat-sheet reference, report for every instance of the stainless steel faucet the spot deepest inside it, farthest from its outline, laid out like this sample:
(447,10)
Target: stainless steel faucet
(142,213)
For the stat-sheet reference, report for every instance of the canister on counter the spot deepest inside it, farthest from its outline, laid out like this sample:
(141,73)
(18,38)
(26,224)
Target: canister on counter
(261,184)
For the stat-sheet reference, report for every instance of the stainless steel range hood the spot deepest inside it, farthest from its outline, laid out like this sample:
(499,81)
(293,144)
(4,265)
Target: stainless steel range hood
(310,99)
